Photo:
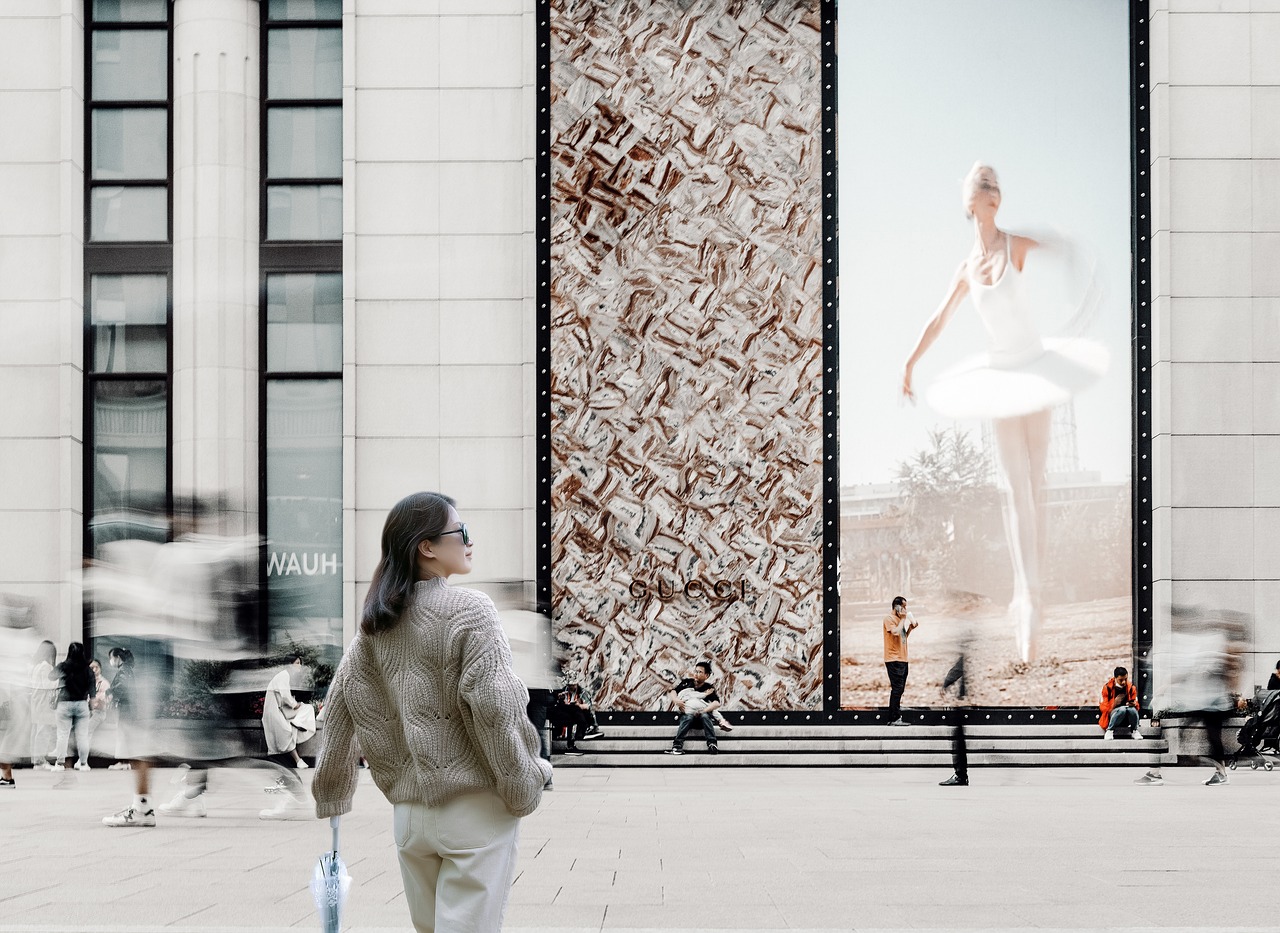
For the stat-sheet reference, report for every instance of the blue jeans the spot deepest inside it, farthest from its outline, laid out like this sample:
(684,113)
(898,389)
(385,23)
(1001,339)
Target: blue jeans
(73,714)
(1122,718)
(686,723)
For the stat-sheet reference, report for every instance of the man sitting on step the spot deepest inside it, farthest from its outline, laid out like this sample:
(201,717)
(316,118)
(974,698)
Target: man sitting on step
(1119,706)
(696,699)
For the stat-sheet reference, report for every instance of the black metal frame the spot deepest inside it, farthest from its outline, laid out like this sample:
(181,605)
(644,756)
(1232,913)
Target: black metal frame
(267,25)
(1140,155)
(276,257)
(123,258)
(830,712)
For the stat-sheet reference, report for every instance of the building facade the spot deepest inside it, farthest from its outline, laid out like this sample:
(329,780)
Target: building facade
(283,256)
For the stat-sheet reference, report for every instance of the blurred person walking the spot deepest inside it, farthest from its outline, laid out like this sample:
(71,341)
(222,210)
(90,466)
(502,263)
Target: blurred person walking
(956,680)
(76,683)
(427,692)
(1205,651)
(898,625)
(42,704)
(132,744)
(16,644)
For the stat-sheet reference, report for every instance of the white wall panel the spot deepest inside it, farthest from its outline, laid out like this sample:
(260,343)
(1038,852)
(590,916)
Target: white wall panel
(1210,194)
(1209,48)
(389,468)
(1212,470)
(404,332)
(1212,544)
(397,401)
(482,332)
(1211,398)
(397,198)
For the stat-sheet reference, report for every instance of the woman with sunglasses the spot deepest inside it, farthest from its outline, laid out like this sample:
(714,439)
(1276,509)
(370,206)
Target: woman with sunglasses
(427,694)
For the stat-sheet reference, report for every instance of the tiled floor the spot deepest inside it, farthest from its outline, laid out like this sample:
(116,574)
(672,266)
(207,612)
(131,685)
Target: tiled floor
(687,849)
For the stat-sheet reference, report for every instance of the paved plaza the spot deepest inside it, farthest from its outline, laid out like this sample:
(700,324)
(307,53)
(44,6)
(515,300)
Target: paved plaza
(687,849)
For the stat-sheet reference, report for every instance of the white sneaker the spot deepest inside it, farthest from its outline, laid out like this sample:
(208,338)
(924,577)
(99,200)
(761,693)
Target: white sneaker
(131,816)
(302,765)
(182,805)
(1217,778)
(82,766)
(57,768)
(290,808)
(120,766)
(1108,736)
(1149,778)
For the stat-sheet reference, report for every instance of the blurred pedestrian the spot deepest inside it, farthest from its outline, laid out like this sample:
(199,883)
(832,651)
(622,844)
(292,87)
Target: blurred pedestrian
(955,680)
(427,692)
(42,705)
(1205,650)
(898,625)
(133,727)
(1274,682)
(528,633)
(16,645)
(75,684)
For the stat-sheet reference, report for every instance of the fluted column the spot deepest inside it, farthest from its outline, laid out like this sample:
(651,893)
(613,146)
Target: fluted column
(215,235)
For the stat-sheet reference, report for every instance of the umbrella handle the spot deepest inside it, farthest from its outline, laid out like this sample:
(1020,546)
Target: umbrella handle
(333,822)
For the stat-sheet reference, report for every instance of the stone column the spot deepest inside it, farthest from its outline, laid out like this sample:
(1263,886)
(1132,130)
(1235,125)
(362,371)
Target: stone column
(215,262)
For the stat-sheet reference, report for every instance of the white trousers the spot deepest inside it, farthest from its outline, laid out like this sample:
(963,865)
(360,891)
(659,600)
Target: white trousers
(457,862)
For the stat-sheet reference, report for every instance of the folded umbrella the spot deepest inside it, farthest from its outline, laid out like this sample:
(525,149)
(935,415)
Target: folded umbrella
(329,885)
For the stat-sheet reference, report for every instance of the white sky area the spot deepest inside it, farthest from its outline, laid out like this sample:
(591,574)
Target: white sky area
(1040,90)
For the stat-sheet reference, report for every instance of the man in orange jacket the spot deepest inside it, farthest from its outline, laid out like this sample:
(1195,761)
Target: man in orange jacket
(1119,706)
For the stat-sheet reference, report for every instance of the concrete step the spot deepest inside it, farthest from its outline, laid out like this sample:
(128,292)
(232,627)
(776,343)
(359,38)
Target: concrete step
(697,757)
(774,745)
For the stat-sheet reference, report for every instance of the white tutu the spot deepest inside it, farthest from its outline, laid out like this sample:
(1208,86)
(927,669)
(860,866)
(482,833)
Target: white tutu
(977,388)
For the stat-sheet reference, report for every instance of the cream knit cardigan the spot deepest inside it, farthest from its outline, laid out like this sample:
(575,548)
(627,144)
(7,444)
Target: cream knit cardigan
(434,707)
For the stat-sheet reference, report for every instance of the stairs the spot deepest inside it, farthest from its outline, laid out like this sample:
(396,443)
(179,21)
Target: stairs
(770,746)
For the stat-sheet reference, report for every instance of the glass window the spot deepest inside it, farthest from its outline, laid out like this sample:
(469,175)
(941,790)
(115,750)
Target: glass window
(130,11)
(130,144)
(129,314)
(130,434)
(304,64)
(130,64)
(304,9)
(304,322)
(129,214)
(304,509)
(304,142)
(304,212)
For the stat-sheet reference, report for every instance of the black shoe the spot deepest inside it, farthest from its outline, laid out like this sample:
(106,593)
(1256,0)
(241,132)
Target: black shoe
(713,750)
(574,752)
(954,781)
(593,734)
(8,782)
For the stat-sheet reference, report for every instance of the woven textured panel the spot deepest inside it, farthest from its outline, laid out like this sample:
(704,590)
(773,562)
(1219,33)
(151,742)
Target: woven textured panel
(686,383)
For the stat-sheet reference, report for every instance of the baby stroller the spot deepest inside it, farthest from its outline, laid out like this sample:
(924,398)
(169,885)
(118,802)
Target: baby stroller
(1259,737)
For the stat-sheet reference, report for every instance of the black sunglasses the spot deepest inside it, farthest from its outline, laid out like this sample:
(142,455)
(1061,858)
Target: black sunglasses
(460,530)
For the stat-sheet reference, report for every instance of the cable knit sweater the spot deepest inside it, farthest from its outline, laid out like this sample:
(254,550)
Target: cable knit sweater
(434,707)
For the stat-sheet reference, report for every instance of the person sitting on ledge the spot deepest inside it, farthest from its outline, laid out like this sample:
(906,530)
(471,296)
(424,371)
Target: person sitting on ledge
(1119,706)
(696,699)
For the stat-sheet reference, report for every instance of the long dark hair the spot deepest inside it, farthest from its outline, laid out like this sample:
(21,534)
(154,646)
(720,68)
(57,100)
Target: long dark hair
(420,517)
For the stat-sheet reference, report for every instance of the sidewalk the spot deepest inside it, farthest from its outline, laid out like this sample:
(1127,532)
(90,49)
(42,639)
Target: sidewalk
(686,849)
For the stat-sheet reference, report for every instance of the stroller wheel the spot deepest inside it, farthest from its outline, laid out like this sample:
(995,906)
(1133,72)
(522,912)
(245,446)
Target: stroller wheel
(1253,766)
(1269,766)
(1232,764)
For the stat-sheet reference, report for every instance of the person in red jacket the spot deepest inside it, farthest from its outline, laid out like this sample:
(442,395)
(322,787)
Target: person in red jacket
(1119,706)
